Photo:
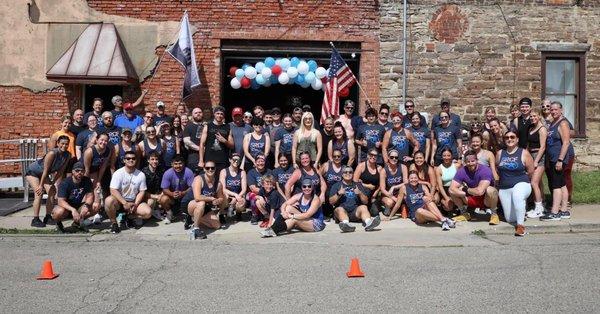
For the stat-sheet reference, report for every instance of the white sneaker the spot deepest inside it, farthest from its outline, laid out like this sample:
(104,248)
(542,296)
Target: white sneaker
(536,213)
(445,226)
(451,223)
(479,211)
(97,219)
(230,211)
(168,217)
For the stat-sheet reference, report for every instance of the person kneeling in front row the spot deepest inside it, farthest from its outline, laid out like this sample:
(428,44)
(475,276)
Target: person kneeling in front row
(302,211)
(349,200)
(127,193)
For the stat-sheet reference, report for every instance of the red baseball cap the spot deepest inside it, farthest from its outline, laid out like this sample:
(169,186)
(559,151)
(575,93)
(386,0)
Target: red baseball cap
(127,106)
(237,111)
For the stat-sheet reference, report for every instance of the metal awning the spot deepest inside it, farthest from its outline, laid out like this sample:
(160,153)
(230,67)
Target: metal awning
(97,57)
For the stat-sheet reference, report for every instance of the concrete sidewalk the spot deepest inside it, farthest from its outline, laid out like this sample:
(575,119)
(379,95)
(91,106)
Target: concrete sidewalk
(585,218)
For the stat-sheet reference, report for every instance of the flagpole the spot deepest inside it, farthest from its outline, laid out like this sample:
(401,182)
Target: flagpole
(163,54)
(357,82)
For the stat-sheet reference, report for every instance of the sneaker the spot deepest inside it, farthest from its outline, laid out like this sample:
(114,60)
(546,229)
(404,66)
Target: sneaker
(199,234)
(550,217)
(463,217)
(450,223)
(114,228)
(187,222)
(565,214)
(373,224)
(254,220)
(59,227)
(36,222)
(97,219)
(536,213)
(520,231)
(79,227)
(230,211)
(267,233)
(157,214)
(445,226)
(494,219)
(479,211)
(168,217)
(86,223)
(48,220)
(346,227)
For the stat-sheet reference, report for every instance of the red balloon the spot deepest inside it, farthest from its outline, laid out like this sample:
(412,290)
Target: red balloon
(232,71)
(344,92)
(246,82)
(276,70)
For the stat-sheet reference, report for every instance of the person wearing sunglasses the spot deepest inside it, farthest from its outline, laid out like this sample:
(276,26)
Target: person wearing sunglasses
(367,173)
(370,136)
(421,207)
(546,114)
(42,175)
(151,143)
(383,119)
(203,201)
(256,143)
(283,172)
(233,181)
(75,199)
(284,138)
(515,167)
(268,201)
(515,113)
(421,133)
(473,187)
(108,127)
(254,179)
(125,145)
(342,143)
(306,170)
(454,119)
(399,139)
(175,184)
(349,200)
(444,173)
(302,211)
(332,173)
(407,119)
(445,134)
(127,194)
(536,146)
(391,177)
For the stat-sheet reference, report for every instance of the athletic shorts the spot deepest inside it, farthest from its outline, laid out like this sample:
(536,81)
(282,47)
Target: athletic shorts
(542,160)
(318,224)
(556,179)
(476,201)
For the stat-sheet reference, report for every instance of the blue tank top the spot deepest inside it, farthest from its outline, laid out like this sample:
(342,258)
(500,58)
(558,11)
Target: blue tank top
(421,135)
(554,143)
(392,179)
(332,176)
(305,207)
(314,178)
(511,169)
(283,175)
(208,190)
(343,147)
(59,160)
(170,150)
(414,198)
(399,142)
(157,149)
(233,183)
(257,146)
(98,159)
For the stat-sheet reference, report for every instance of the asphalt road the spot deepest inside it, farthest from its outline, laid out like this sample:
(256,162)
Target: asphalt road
(538,273)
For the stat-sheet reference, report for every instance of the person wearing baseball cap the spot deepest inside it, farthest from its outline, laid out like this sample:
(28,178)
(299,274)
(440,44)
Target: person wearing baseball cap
(445,107)
(239,129)
(75,198)
(161,117)
(129,119)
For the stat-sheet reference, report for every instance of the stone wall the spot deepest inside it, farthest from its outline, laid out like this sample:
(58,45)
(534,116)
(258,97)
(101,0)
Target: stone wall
(484,53)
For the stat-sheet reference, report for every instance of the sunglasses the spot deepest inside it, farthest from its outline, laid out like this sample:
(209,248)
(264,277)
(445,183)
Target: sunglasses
(510,137)
(384,113)
(236,159)
(151,132)
(348,172)
(371,155)
(337,156)
(307,186)
(546,107)
(409,106)
(349,108)
(129,158)
(394,157)
(444,117)
(149,117)
(209,168)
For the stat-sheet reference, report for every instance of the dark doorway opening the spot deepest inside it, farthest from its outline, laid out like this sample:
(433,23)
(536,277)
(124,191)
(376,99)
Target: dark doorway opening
(236,53)
(106,92)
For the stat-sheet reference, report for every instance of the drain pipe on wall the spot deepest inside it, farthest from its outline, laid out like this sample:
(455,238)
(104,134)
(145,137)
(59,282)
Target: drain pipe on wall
(404,67)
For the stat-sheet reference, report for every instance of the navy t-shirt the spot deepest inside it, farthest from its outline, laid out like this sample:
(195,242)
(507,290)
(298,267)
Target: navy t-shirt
(74,192)
(373,133)
(273,198)
(447,137)
(286,137)
(349,201)
(254,177)
(114,134)
(283,175)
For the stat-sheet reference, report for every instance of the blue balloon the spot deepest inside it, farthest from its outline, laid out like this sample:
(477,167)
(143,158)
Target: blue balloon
(310,77)
(312,65)
(259,66)
(245,66)
(269,62)
(292,80)
(305,84)
(254,85)
(300,79)
(273,79)
(284,63)
(260,79)
(239,73)
(294,61)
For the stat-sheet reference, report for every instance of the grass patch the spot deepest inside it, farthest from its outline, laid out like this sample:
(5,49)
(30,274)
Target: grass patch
(479,232)
(585,187)
(27,231)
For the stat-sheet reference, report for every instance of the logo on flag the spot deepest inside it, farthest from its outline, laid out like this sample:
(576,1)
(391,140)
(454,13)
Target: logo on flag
(183,51)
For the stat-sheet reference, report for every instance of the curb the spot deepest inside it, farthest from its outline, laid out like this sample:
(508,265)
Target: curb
(541,229)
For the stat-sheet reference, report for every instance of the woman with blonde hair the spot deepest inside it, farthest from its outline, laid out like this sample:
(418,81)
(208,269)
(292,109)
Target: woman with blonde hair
(307,139)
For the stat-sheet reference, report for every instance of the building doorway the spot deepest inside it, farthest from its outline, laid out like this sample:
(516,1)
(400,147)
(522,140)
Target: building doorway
(105,92)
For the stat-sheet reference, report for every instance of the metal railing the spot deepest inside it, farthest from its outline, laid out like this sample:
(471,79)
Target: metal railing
(29,148)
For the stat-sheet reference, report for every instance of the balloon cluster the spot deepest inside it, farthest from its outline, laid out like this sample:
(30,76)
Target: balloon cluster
(283,71)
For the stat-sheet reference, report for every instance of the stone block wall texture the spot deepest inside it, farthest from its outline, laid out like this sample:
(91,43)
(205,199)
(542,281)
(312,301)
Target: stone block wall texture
(482,53)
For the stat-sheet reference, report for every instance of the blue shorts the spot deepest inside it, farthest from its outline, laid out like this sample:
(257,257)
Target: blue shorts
(318,225)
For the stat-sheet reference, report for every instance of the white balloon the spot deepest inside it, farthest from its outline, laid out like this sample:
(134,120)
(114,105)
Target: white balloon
(250,72)
(235,83)
(303,67)
(320,72)
(292,72)
(266,72)
(283,78)
(259,67)
(316,84)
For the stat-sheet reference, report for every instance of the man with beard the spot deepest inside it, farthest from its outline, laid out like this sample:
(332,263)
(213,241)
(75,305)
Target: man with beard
(239,129)
(191,138)
(77,125)
(86,137)
(409,106)
(113,131)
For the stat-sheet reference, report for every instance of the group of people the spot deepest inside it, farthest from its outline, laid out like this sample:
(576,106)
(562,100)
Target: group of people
(284,171)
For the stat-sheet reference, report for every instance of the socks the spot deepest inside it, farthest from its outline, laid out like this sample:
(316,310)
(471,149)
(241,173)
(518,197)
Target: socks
(539,206)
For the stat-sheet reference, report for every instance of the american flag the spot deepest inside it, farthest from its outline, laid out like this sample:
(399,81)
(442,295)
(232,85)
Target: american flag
(340,77)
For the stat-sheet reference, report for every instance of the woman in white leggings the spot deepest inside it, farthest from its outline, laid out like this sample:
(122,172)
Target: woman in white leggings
(515,168)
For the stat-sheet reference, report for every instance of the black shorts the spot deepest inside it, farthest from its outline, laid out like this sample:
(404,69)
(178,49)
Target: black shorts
(556,179)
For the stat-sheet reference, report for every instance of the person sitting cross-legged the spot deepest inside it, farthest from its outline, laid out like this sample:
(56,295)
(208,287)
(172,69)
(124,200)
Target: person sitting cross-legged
(349,200)
(268,200)
(472,186)
(75,199)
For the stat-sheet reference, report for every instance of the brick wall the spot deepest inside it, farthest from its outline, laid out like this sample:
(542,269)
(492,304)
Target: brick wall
(483,53)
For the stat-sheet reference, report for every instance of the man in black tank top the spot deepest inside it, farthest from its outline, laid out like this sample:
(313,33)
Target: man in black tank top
(214,143)
(523,122)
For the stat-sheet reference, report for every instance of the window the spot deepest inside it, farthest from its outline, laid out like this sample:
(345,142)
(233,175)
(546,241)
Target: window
(563,80)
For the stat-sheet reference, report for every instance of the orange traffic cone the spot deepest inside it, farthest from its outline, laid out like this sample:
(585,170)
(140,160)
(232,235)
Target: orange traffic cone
(47,272)
(404,211)
(355,269)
